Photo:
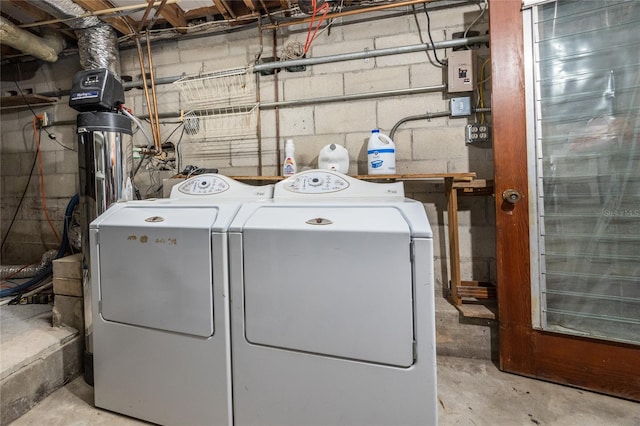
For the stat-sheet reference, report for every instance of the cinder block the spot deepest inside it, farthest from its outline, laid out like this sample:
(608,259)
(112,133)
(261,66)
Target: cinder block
(436,142)
(297,121)
(68,267)
(318,86)
(346,117)
(67,287)
(425,74)
(11,164)
(374,26)
(375,80)
(343,47)
(68,310)
(61,185)
(400,40)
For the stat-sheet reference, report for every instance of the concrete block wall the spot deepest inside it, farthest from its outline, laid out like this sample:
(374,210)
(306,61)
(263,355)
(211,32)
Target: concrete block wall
(435,145)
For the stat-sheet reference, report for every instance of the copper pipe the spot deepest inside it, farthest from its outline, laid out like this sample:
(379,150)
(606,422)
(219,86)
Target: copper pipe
(156,119)
(277,98)
(350,12)
(146,90)
(259,114)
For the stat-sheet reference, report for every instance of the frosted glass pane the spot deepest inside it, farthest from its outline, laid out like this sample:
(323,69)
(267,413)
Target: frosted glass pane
(587,111)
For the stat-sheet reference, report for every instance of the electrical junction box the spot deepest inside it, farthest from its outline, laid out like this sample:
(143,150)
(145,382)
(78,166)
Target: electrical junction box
(460,107)
(461,74)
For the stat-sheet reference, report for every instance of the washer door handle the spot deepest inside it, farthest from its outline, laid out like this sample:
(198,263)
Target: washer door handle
(319,221)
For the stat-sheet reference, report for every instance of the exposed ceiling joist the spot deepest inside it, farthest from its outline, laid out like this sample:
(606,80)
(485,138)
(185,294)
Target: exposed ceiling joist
(225,9)
(117,22)
(39,15)
(175,16)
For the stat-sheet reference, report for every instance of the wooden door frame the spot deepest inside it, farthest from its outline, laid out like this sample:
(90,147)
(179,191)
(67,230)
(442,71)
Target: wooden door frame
(607,367)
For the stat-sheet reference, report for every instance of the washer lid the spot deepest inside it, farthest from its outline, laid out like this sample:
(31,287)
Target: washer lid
(156,268)
(334,281)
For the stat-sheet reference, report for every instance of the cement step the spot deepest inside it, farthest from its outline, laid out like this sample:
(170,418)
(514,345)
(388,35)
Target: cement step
(35,358)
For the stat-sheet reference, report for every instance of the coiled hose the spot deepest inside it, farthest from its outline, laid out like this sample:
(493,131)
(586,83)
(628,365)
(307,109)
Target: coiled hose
(64,244)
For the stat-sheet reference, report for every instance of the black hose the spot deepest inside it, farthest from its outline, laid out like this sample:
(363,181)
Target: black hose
(64,244)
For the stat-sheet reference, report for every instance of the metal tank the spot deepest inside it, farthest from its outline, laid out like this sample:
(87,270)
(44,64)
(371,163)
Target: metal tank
(105,157)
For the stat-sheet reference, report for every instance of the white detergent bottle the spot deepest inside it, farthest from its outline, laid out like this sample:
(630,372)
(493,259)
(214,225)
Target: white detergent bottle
(381,154)
(289,167)
(334,157)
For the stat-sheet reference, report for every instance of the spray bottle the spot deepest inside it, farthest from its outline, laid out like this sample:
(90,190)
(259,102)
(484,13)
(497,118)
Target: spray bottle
(289,167)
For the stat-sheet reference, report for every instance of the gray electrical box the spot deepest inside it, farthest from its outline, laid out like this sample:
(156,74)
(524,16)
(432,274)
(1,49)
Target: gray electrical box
(461,73)
(460,107)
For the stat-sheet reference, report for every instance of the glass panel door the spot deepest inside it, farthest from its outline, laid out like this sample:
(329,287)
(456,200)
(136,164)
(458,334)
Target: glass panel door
(585,141)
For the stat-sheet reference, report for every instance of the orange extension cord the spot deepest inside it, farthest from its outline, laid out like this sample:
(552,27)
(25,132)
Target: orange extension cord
(312,36)
(42,193)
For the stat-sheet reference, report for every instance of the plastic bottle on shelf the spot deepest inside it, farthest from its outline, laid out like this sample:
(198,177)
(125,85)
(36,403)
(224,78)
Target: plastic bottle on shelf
(289,167)
(381,154)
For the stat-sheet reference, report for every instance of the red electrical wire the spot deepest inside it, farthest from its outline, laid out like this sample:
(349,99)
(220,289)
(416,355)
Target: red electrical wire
(324,9)
(42,193)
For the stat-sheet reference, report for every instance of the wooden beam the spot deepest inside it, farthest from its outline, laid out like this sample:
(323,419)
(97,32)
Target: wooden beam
(225,9)
(201,12)
(116,22)
(250,5)
(40,15)
(174,15)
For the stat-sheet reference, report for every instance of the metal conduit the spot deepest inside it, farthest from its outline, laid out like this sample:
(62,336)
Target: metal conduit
(371,53)
(427,116)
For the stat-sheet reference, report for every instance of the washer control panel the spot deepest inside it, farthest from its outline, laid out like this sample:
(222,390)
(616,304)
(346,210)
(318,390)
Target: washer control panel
(203,185)
(316,182)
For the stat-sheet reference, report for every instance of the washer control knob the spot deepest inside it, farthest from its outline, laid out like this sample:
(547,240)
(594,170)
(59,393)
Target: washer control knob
(315,181)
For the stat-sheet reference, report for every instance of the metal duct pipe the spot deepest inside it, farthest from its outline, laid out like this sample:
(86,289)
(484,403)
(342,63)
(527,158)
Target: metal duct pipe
(371,53)
(45,48)
(97,41)
(19,271)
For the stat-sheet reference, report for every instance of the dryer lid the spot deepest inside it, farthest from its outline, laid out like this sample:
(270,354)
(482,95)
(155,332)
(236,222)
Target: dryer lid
(332,281)
(156,267)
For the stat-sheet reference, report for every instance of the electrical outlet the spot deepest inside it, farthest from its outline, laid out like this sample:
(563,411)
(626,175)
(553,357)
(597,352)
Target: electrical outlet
(477,132)
(44,119)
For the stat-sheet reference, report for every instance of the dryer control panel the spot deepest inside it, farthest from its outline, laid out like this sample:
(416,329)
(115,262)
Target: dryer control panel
(316,182)
(203,185)
(330,184)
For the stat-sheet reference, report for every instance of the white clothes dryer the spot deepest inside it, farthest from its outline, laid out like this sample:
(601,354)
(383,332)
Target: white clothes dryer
(161,303)
(332,306)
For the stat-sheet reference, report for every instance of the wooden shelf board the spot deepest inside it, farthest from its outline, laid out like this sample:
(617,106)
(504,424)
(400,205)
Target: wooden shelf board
(23,101)
(458,177)
(478,310)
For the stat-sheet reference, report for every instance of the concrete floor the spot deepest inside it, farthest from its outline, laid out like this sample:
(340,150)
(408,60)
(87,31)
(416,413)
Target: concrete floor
(471,392)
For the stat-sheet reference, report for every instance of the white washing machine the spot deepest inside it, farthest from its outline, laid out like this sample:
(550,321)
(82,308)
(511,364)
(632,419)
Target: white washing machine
(161,303)
(332,306)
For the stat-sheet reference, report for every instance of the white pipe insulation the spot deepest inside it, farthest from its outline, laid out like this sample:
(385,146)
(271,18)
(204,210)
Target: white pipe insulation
(46,48)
